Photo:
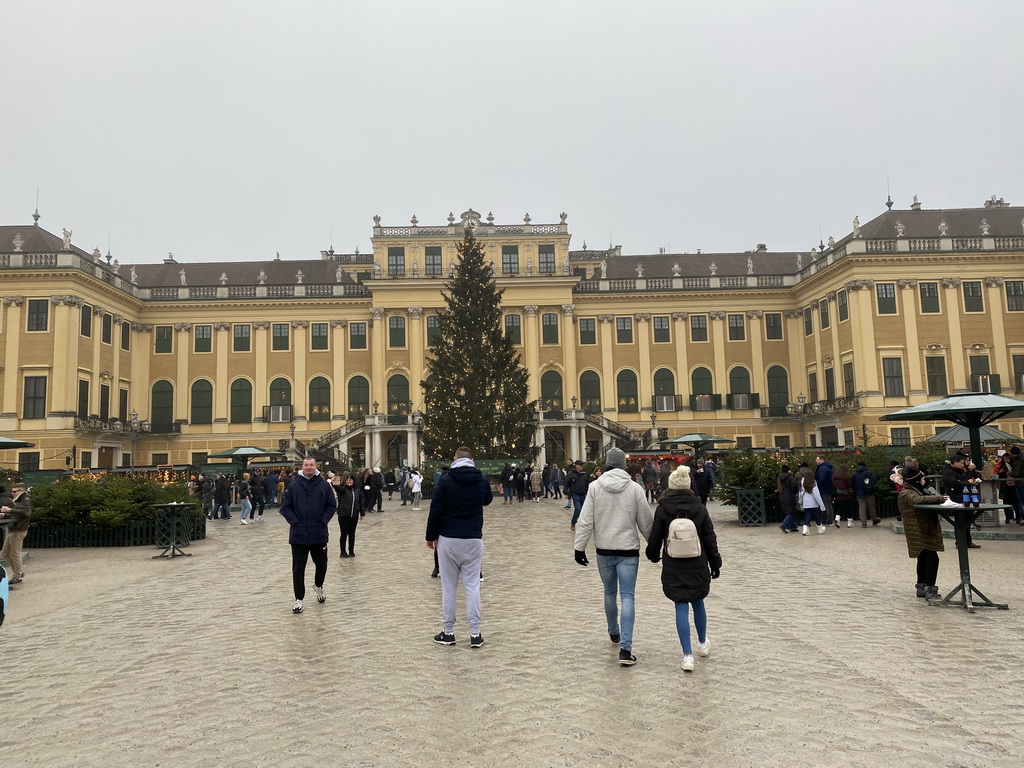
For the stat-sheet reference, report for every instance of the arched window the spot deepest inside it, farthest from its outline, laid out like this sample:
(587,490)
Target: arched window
(664,382)
(626,396)
(778,390)
(590,392)
(202,402)
(358,397)
(163,406)
(280,392)
(551,391)
(398,395)
(319,399)
(701,382)
(241,401)
(739,381)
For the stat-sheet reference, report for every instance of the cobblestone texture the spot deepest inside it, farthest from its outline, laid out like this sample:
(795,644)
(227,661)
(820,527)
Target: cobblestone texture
(821,656)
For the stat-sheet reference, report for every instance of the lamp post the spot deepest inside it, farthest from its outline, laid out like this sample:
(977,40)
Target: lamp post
(376,405)
(801,410)
(654,428)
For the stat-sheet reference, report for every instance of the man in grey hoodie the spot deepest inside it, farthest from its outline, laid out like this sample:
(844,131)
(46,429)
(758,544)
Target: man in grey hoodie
(617,513)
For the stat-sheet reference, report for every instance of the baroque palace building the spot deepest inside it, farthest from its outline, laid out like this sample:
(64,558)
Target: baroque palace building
(117,365)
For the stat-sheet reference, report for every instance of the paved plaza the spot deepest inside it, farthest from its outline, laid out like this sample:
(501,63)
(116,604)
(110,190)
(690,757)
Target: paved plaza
(821,656)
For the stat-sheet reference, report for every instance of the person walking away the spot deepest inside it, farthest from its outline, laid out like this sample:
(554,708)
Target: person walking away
(711,467)
(842,495)
(19,510)
(455,532)
(864,485)
(507,483)
(377,489)
(664,471)
(390,482)
(809,500)
(557,478)
(417,488)
(536,484)
(519,479)
(823,477)
(954,484)
(686,581)
(1007,487)
(308,506)
(244,498)
(350,512)
(701,481)
(616,513)
(922,531)
(222,498)
(788,488)
(650,480)
(576,482)
(271,487)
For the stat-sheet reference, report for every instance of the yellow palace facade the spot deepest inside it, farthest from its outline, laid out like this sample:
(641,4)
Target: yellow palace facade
(107,364)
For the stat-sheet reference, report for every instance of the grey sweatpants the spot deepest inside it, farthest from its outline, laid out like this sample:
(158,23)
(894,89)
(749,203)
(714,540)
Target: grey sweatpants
(460,558)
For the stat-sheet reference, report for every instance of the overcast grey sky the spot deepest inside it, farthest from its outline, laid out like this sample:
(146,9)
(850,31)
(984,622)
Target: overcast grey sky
(232,130)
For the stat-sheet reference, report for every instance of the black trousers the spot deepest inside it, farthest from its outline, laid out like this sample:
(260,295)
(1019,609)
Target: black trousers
(300,554)
(927,567)
(348,532)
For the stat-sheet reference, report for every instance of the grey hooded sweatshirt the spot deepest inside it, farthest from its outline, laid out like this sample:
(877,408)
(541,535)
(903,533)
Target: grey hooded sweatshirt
(616,512)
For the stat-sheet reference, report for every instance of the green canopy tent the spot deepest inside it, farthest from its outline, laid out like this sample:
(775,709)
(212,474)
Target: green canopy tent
(960,434)
(972,410)
(7,443)
(699,441)
(244,454)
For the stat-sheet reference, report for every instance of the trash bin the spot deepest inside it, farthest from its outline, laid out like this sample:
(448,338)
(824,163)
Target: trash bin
(750,505)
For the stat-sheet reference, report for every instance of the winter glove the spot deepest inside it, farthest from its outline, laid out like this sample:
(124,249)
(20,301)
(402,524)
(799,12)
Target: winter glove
(715,573)
(581,557)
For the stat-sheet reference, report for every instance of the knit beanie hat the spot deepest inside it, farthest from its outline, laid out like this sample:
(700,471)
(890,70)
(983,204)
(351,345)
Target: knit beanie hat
(615,458)
(680,479)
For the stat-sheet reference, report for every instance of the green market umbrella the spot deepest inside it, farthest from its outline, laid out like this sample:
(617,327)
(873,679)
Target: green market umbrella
(961,434)
(700,441)
(244,454)
(971,410)
(9,442)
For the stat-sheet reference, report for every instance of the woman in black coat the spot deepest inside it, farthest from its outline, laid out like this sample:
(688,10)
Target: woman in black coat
(788,488)
(686,581)
(701,483)
(350,512)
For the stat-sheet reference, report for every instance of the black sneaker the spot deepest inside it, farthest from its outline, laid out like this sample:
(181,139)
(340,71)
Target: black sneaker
(614,638)
(476,641)
(626,658)
(444,638)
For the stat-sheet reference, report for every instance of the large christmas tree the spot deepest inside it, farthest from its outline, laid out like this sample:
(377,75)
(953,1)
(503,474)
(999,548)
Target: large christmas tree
(476,386)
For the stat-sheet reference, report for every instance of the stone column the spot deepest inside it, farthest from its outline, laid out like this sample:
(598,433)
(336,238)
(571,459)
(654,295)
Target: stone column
(574,442)
(865,354)
(141,391)
(571,382)
(12,330)
(377,330)
(97,366)
(758,380)
(681,337)
(182,334)
(957,358)
(718,342)
(996,311)
(222,386)
(338,350)
(645,381)
(608,397)
(300,387)
(260,348)
(531,345)
(915,376)
(416,340)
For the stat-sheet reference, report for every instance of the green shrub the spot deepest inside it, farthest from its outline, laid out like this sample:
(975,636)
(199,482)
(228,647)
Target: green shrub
(761,470)
(112,502)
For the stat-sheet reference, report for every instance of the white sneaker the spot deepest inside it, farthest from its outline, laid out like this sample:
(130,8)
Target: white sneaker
(297,608)
(688,662)
(804,530)
(259,519)
(243,522)
(821,529)
(320,596)
(703,649)
(837,521)
(849,523)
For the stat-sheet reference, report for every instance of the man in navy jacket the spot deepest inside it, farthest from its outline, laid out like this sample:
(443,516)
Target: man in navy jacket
(455,528)
(308,506)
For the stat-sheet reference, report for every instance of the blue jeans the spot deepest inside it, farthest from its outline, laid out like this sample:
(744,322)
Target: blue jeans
(246,509)
(700,622)
(507,491)
(221,506)
(577,505)
(789,522)
(619,575)
(1020,501)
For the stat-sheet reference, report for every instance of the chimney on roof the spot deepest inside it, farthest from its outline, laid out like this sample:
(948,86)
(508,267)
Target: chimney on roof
(915,206)
(661,251)
(994,203)
(761,247)
(170,258)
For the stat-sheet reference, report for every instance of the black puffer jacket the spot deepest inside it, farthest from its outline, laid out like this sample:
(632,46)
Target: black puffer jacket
(684,580)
